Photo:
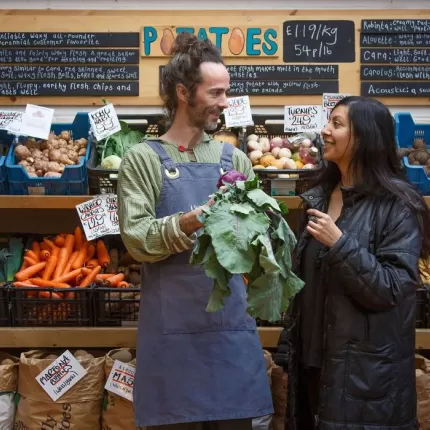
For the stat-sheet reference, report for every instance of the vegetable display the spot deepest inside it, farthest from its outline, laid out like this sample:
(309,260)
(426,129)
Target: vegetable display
(418,155)
(48,158)
(244,233)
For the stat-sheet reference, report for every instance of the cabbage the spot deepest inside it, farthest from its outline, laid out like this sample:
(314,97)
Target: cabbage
(111,162)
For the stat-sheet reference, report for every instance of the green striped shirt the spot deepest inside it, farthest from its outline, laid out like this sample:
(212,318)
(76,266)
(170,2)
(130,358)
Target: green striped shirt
(147,238)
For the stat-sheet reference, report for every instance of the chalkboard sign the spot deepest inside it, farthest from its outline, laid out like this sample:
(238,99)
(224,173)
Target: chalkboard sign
(283,72)
(397,73)
(394,40)
(395,89)
(395,55)
(69,73)
(58,88)
(69,56)
(319,41)
(395,26)
(58,40)
(272,88)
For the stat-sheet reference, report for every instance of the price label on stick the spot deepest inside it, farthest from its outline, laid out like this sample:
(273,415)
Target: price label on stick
(302,118)
(329,101)
(61,375)
(104,121)
(121,380)
(238,113)
(37,121)
(99,216)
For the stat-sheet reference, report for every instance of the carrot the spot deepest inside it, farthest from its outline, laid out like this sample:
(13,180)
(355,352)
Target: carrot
(55,251)
(79,238)
(91,263)
(48,295)
(29,272)
(91,277)
(30,261)
(104,276)
(62,262)
(68,267)
(35,247)
(59,241)
(91,252)
(102,254)
(23,284)
(44,246)
(114,280)
(79,278)
(44,283)
(69,243)
(69,276)
(24,265)
(32,255)
(80,259)
(123,284)
(44,255)
(86,270)
(51,245)
(50,267)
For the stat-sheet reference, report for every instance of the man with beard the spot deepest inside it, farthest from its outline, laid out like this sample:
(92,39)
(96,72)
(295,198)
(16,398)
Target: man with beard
(195,370)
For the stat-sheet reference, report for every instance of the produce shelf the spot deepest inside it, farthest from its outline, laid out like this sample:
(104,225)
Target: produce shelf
(92,337)
(69,202)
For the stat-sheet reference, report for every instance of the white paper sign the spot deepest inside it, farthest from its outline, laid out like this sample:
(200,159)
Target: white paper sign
(11,121)
(37,121)
(99,216)
(104,121)
(238,113)
(61,375)
(329,101)
(302,118)
(121,380)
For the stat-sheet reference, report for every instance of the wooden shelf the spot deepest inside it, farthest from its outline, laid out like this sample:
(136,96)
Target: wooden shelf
(70,202)
(93,337)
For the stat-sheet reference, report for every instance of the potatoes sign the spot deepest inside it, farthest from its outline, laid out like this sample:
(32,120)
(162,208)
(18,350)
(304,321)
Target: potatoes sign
(233,42)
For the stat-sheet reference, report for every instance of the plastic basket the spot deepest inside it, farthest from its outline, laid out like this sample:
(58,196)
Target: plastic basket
(4,307)
(38,306)
(116,306)
(6,140)
(74,180)
(406,132)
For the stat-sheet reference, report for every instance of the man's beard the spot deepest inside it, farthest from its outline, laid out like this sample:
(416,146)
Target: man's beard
(200,121)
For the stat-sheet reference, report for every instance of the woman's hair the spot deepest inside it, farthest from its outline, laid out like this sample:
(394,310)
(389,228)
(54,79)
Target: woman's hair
(188,53)
(374,162)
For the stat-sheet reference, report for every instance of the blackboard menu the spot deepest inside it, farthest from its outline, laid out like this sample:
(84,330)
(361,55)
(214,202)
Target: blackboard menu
(260,80)
(319,41)
(395,58)
(69,64)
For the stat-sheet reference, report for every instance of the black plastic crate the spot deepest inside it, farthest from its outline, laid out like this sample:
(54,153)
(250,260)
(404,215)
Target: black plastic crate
(422,319)
(116,307)
(38,306)
(4,307)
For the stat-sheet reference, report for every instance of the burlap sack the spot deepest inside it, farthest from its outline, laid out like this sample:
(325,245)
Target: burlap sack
(269,364)
(8,387)
(279,394)
(118,413)
(422,372)
(79,408)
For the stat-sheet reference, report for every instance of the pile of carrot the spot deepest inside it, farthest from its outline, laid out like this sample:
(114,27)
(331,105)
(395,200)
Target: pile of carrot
(65,261)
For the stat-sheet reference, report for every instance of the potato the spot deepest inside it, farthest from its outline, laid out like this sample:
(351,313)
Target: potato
(7,362)
(123,355)
(51,357)
(80,353)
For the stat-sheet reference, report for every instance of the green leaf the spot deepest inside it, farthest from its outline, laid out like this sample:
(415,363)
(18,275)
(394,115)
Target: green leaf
(247,185)
(202,250)
(232,235)
(244,209)
(267,258)
(283,207)
(262,200)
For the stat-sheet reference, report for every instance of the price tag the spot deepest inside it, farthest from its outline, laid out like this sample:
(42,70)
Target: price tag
(60,376)
(238,113)
(302,118)
(329,101)
(121,380)
(99,216)
(104,121)
(37,121)
(11,121)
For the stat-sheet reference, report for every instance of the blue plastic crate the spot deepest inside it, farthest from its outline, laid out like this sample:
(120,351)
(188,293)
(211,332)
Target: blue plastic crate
(74,180)
(406,132)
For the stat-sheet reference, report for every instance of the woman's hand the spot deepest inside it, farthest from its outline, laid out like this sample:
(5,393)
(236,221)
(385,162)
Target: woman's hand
(323,228)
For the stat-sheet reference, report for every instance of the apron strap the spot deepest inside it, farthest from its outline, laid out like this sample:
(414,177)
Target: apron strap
(165,159)
(226,157)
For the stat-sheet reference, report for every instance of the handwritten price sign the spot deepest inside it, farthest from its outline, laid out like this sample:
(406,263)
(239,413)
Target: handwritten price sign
(238,113)
(99,216)
(104,121)
(302,118)
(329,101)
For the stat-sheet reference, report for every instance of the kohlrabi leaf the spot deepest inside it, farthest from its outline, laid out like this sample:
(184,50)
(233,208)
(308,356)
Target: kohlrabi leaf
(262,200)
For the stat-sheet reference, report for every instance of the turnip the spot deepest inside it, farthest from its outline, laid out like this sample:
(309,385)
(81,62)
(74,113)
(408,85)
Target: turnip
(283,176)
(272,168)
(284,160)
(276,142)
(306,143)
(255,156)
(252,137)
(265,144)
(308,155)
(275,151)
(290,164)
(254,145)
(284,153)
(309,166)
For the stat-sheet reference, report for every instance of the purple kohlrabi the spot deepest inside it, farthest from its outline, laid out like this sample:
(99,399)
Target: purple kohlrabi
(230,177)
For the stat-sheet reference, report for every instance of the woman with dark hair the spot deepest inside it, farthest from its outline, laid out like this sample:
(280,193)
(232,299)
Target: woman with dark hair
(348,345)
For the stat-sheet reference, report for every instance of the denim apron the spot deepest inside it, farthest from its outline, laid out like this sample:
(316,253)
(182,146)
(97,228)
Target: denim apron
(194,366)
